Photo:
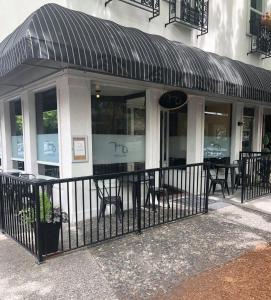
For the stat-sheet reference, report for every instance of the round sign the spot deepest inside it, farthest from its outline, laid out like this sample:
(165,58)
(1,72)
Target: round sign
(173,100)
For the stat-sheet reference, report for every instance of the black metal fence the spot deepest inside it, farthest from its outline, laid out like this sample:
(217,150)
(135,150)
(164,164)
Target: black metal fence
(64,214)
(249,154)
(256,171)
(18,195)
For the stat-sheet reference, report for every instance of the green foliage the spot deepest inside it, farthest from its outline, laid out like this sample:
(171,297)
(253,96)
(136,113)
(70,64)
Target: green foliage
(266,150)
(29,215)
(266,140)
(50,121)
(19,124)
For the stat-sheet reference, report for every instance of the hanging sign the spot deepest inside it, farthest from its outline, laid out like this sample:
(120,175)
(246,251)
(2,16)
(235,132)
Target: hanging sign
(173,100)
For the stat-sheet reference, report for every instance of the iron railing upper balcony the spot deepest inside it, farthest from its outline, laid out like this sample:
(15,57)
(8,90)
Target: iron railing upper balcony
(260,37)
(152,6)
(191,13)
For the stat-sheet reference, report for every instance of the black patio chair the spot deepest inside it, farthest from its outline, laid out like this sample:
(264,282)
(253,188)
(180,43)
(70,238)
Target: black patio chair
(214,181)
(160,191)
(264,171)
(109,195)
(241,177)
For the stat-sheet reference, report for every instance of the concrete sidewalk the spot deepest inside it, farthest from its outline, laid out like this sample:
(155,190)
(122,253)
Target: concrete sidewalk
(135,266)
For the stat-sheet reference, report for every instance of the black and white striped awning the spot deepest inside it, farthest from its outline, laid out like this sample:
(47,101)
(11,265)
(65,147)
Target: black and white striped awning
(55,37)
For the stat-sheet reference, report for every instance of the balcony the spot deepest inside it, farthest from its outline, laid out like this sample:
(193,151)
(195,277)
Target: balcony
(260,37)
(152,6)
(190,13)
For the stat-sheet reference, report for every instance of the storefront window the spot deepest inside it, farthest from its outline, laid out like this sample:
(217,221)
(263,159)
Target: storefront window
(177,137)
(248,119)
(217,132)
(17,142)
(47,133)
(118,132)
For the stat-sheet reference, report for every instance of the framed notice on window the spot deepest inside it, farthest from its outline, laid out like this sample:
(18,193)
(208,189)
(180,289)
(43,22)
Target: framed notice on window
(79,144)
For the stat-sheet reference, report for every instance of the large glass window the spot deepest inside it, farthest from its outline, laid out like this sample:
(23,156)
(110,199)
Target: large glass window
(17,141)
(217,132)
(255,14)
(248,119)
(47,133)
(177,137)
(118,131)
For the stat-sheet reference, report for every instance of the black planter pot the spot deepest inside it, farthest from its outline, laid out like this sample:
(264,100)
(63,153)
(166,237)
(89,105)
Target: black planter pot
(49,237)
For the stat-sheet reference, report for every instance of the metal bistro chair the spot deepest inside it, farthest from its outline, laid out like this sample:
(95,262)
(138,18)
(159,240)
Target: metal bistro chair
(240,176)
(156,191)
(214,181)
(109,195)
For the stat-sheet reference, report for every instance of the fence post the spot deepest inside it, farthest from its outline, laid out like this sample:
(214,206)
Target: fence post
(37,225)
(2,205)
(138,202)
(207,188)
(243,169)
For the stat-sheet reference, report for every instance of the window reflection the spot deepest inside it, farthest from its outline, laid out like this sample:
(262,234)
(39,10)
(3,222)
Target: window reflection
(47,133)
(17,143)
(177,137)
(248,119)
(118,132)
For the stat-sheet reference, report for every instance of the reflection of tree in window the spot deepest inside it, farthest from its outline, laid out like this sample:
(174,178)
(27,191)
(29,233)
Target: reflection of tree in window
(16,118)
(50,121)
(19,125)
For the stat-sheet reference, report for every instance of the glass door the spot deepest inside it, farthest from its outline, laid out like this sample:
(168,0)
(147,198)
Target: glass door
(173,137)
(164,139)
(248,120)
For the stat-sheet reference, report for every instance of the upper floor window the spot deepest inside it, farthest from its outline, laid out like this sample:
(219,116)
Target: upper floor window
(256,10)
(258,29)
(191,13)
(152,6)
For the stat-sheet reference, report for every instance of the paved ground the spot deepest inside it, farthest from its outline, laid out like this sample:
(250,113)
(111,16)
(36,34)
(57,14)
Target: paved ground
(244,278)
(135,267)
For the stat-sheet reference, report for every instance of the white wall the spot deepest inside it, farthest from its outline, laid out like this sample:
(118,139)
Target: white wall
(228,21)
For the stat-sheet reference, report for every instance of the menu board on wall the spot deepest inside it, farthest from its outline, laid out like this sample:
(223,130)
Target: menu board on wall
(79,148)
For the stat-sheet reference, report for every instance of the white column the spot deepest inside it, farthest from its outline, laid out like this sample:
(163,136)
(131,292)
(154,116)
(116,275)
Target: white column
(152,154)
(236,131)
(258,129)
(29,133)
(195,129)
(74,113)
(6,136)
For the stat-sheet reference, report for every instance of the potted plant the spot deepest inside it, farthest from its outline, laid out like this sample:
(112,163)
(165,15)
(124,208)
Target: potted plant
(266,20)
(51,219)
(266,144)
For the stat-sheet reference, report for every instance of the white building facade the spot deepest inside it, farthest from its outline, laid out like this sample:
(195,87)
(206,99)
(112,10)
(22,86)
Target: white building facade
(60,119)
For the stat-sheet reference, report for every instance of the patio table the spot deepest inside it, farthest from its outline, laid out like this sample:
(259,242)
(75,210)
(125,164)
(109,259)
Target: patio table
(136,180)
(228,167)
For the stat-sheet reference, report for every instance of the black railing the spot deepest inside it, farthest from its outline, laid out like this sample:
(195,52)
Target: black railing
(256,179)
(250,154)
(192,13)
(17,195)
(152,6)
(83,211)
(260,37)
